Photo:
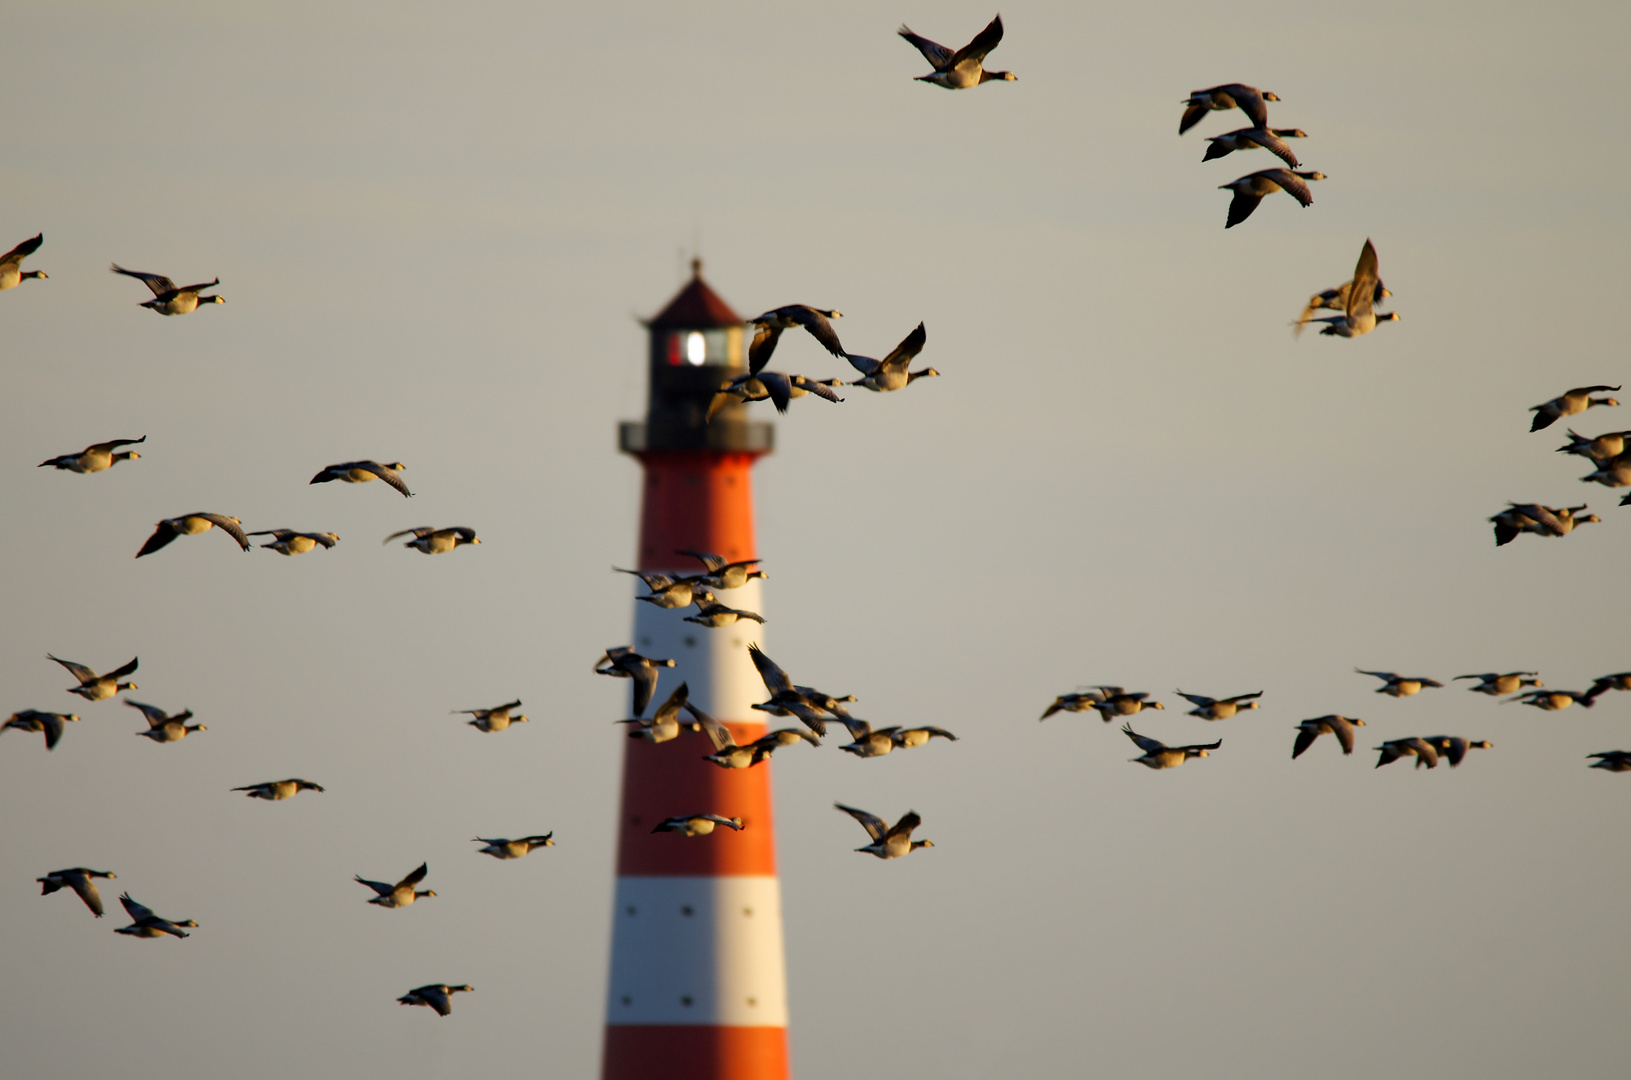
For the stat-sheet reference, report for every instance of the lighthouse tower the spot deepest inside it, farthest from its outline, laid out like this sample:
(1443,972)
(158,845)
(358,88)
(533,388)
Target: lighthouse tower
(698,989)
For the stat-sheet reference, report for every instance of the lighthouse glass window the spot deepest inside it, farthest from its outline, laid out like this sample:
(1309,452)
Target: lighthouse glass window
(697,347)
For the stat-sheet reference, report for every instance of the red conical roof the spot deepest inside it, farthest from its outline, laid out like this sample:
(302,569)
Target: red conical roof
(696,307)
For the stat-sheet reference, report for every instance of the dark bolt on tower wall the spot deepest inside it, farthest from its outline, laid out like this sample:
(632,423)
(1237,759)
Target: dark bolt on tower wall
(697,343)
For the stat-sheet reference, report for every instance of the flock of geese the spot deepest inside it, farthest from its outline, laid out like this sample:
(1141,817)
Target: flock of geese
(1353,302)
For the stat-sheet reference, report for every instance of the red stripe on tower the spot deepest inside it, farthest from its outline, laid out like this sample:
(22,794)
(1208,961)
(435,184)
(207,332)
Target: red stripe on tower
(698,988)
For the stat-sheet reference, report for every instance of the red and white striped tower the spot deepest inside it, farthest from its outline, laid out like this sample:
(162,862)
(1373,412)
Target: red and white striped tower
(698,987)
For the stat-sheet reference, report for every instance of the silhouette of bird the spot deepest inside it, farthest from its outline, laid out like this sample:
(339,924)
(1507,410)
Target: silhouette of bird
(963,68)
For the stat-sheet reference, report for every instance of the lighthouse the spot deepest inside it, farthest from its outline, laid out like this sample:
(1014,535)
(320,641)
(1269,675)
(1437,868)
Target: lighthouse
(698,986)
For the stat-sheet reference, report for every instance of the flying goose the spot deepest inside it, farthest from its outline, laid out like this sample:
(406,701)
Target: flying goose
(162,727)
(888,842)
(1614,472)
(169,300)
(94,687)
(1495,684)
(495,719)
(148,925)
(664,724)
(1610,444)
(1400,685)
(964,68)
(289,542)
(774,386)
(274,790)
(1078,702)
(1360,316)
(666,592)
(697,824)
(435,995)
(1118,702)
(622,662)
(716,615)
(51,723)
(785,698)
(431,541)
(890,373)
(402,893)
(1577,400)
(1250,190)
(1612,760)
(1334,300)
(360,472)
(190,524)
(1248,99)
(1618,681)
(96,457)
(1158,755)
(1340,726)
(1394,749)
(1524,517)
(728,755)
(722,574)
(1250,138)
(1553,700)
(514,849)
(1454,747)
(77,878)
(1219,708)
(11,264)
(867,742)
(769,327)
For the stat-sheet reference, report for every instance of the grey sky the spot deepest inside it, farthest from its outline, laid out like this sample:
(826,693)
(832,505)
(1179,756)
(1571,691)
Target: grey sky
(434,228)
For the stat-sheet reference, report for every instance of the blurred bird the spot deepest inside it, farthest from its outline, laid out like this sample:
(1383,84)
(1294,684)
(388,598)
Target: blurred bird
(189,525)
(495,719)
(728,755)
(888,842)
(514,849)
(436,996)
(50,723)
(77,878)
(1219,708)
(11,264)
(1400,685)
(167,298)
(1394,749)
(1525,517)
(716,615)
(94,687)
(769,327)
(1615,472)
(1334,300)
(402,893)
(1250,190)
(664,724)
(1360,317)
(1158,755)
(274,790)
(666,592)
(1567,518)
(1610,444)
(1454,747)
(145,924)
(867,742)
(1553,700)
(1612,760)
(1078,702)
(964,68)
(1618,681)
(360,472)
(1495,685)
(890,373)
(785,698)
(1577,400)
(911,738)
(1248,99)
(622,662)
(774,386)
(697,824)
(96,457)
(289,542)
(1250,138)
(430,541)
(162,727)
(1118,702)
(1340,726)
(722,574)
